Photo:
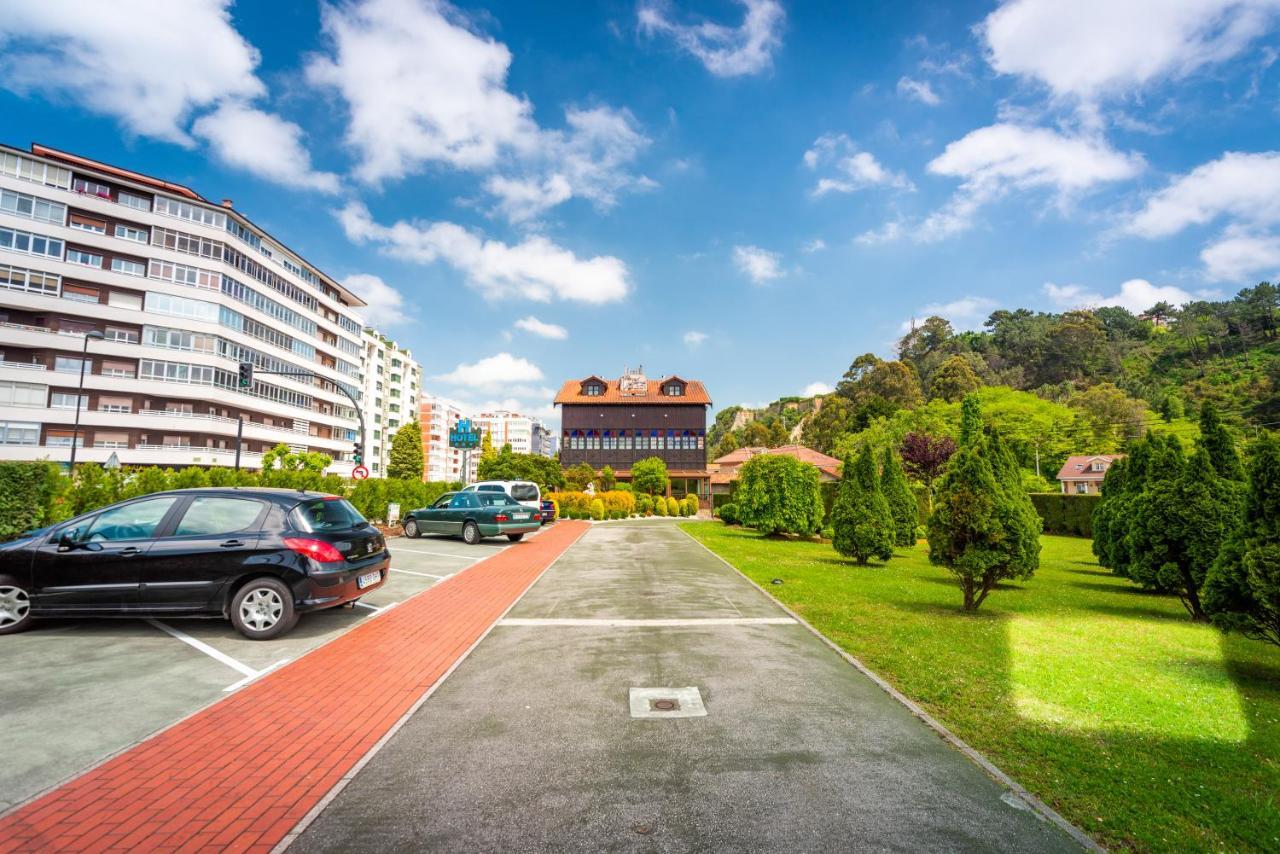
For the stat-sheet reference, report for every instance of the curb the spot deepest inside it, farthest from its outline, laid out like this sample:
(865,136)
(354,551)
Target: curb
(1042,810)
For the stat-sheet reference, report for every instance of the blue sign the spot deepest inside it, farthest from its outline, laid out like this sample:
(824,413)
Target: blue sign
(463,435)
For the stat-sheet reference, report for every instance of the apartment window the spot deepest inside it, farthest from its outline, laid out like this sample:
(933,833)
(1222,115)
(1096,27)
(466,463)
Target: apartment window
(22,394)
(67,364)
(182,307)
(32,207)
(183,275)
(125,370)
(19,433)
(83,258)
(63,400)
(124,299)
(103,439)
(191,244)
(62,439)
(128,267)
(79,293)
(128,232)
(123,336)
(91,188)
(84,223)
(130,200)
(20,279)
(30,244)
(17,166)
(182,210)
(115,404)
(179,339)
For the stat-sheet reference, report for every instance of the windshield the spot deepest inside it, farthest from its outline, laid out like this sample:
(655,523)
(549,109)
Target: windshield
(524,491)
(326,514)
(499,499)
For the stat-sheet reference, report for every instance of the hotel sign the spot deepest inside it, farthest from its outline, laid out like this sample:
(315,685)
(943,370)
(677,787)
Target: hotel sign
(633,383)
(464,435)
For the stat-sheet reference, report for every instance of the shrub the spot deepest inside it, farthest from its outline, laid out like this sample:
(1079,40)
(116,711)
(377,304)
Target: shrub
(618,504)
(862,523)
(572,505)
(597,509)
(673,507)
(659,505)
(691,505)
(902,504)
(779,494)
(729,513)
(650,475)
(644,504)
(28,494)
(1066,515)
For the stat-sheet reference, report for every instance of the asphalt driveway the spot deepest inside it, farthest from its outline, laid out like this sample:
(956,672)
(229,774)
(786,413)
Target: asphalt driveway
(531,743)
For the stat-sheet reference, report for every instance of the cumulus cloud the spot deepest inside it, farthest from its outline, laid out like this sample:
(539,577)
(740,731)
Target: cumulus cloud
(1136,295)
(852,169)
(386,305)
(1092,48)
(534,326)
(815,389)
(535,268)
(918,90)
(965,313)
(725,51)
(495,372)
(1238,255)
(759,265)
(694,338)
(1240,185)
(262,144)
(815,245)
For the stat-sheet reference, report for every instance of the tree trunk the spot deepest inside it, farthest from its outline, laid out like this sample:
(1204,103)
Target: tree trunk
(1191,597)
(966,585)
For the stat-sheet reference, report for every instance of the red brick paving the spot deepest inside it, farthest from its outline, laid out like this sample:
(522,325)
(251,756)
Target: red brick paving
(239,775)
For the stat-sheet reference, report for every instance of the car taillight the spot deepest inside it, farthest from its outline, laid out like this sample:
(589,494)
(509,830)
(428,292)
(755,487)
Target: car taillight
(501,517)
(315,549)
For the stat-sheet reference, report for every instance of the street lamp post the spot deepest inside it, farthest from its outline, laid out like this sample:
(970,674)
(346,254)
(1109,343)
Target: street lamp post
(84,357)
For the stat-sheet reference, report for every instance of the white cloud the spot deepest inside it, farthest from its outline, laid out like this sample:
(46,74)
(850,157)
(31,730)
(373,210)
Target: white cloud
(534,326)
(758,264)
(1240,185)
(725,51)
(919,90)
(964,313)
(495,372)
(419,87)
(815,245)
(1091,48)
(262,144)
(1137,295)
(854,169)
(815,389)
(886,233)
(1237,255)
(385,304)
(150,65)
(534,269)
(694,338)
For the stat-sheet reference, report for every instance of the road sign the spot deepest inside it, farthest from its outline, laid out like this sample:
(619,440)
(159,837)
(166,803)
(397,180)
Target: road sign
(359,472)
(463,435)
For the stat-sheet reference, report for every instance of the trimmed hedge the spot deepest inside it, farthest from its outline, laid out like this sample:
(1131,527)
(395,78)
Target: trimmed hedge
(31,496)
(1068,515)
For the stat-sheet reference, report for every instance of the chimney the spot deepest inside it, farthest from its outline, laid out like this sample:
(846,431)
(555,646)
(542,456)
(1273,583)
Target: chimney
(227,203)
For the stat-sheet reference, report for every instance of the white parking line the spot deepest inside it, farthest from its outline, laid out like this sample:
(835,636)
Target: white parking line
(238,666)
(437,554)
(257,675)
(423,574)
(375,608)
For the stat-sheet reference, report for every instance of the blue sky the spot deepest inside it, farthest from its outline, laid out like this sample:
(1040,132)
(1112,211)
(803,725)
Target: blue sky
(750,193)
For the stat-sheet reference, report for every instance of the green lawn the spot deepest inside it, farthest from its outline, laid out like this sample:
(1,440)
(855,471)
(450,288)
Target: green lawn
(1146,730)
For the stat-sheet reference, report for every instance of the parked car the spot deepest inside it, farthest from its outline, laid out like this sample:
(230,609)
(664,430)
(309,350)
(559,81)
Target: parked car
(548,511)
(259,557)
(473,516)
(524,491)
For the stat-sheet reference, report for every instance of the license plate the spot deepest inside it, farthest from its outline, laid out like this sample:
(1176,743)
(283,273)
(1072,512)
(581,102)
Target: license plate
(368,579)
(519,517)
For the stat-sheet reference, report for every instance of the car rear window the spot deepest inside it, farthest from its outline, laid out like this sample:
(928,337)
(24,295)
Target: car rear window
(500,499)
(326,514)
(524,491)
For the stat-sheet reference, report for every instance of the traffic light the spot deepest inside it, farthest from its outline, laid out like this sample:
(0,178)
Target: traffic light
(246,375)
(357,453)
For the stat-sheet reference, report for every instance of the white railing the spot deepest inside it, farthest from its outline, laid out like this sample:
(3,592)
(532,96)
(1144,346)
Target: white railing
(24,365)
(202,416)
(26,328)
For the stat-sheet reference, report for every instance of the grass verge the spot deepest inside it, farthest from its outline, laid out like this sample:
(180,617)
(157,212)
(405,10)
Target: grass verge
(1148,731)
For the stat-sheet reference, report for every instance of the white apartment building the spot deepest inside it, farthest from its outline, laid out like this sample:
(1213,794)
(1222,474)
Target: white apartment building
(507,428)
(392,380)
(180,290)
(437,416)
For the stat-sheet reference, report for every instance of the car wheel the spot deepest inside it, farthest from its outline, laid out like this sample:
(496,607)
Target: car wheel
(471,533)
(15,607)
(263,609)
(411,528)
(515,538)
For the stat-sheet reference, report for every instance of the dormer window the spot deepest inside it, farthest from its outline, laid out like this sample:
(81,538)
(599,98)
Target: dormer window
(673,390)
(593,389)
(1098,465)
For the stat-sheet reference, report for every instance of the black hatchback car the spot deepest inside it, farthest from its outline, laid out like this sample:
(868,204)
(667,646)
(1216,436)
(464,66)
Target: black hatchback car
(259,557)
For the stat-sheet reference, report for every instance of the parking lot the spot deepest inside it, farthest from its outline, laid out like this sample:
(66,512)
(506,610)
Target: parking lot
(79,691)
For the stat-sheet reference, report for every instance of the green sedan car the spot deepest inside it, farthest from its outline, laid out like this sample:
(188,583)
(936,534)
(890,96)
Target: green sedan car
(474,516)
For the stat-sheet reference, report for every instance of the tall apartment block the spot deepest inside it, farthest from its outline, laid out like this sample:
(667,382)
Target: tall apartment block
(181,290)
(437,416)
(525,435)
(392,380)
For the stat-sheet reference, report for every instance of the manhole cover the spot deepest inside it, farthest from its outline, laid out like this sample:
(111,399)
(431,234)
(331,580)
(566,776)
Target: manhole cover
(667,703)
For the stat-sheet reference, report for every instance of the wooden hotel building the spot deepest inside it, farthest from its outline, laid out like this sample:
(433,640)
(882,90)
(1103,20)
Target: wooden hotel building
(618,422)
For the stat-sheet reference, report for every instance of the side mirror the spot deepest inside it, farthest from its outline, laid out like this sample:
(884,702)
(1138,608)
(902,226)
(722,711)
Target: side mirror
(66,540)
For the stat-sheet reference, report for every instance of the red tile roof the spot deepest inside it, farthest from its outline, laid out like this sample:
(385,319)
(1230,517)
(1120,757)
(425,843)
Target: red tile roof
(694,393)
(827,465)
(1077,468)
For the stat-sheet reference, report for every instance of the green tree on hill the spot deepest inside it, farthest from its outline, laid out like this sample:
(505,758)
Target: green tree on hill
(405,460)
(822,428)
(977,530)
(902,504)
(861,519)
(1219,445)
(954,379)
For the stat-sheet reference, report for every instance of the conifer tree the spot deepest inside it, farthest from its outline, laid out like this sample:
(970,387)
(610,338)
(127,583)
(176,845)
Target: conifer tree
(405,460)
(902,504)
(1242,588)
(862,521)
(1221,448)
(979,529)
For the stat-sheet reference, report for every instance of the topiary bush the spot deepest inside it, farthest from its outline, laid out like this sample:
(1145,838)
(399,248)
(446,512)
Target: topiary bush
(673,507)
(779,494)
(729,513)
(659,505)
(691,505)
(644,504)
(597,509)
